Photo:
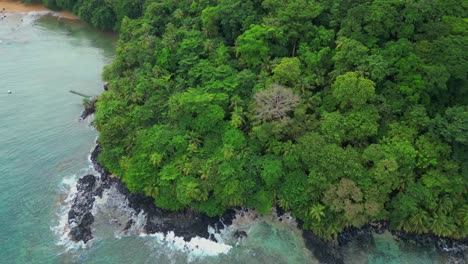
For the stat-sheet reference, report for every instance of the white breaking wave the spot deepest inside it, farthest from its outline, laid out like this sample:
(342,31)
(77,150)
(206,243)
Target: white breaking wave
(30,17)
(112,215)
(195,248)
(68,187)
(113,209)
(244,220)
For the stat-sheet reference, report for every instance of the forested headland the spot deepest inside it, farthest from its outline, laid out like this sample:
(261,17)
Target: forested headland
(341,111)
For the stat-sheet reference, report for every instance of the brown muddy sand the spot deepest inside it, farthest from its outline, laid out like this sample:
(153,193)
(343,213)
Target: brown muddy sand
(13,6)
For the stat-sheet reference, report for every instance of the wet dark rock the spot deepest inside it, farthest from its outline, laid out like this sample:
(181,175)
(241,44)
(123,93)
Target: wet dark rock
(455,249)
(240,234)
(228,217)
(363,233)
(80,233)
(327,252)
(89,108)
(128,225)
(185,223)
(80,216)
(97,166)
(279,211)
(88,188)
(87,219)
(86,184)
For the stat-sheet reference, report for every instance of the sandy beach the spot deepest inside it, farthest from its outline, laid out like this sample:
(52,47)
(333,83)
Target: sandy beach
(13,6)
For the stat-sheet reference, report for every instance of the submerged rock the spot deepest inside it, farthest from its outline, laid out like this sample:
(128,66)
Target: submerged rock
(363,233)
(128,225)
(456,250)
(80,233)
(240,234)
(327,252)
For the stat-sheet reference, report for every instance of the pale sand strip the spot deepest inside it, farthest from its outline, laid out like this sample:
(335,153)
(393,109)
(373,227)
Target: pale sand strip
(14,6)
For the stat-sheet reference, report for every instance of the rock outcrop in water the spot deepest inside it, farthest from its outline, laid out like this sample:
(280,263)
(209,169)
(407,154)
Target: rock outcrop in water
(89,108)
(186,223)
(79,216)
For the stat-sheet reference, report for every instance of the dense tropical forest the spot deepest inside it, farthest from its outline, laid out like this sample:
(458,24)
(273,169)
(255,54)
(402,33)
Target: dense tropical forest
(341,111)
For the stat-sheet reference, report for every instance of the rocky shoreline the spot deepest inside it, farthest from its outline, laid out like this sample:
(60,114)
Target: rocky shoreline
(189,224)
(329,251)
(186,223)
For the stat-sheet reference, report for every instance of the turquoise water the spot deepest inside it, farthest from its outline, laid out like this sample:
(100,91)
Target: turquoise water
(41,139)
(44,148)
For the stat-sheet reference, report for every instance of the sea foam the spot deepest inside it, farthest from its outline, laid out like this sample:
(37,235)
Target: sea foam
(67,192)
(67,187)
(196,247)
(112,210)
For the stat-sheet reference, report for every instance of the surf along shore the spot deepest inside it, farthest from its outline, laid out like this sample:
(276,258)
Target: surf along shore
(189,224)
(14,6)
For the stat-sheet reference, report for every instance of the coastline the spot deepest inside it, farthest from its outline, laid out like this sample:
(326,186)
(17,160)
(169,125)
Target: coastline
(15,6)
(188,224)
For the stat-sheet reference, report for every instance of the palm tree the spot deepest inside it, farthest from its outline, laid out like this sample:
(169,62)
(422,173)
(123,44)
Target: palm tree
(445,205)
(418,221)
(156,159)
(327,231)
(442,225)
(462,215)
(194,142)
(405,224)
(237,117)
(151,190)
(284,203)
(316,212)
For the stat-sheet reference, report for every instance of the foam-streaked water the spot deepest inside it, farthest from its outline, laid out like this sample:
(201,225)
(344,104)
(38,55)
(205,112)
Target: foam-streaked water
(44,149)
(42,140)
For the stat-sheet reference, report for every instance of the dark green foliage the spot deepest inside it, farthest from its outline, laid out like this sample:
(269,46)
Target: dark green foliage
(102,14)
(343,112)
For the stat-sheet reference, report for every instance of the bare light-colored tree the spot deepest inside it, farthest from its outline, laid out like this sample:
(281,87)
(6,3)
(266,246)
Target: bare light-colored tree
(274,103)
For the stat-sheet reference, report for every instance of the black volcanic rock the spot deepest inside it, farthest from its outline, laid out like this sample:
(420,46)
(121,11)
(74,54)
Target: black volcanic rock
(89,108)
(79,216)
(240,234)
(128,225)
(327,252)
(185,223)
